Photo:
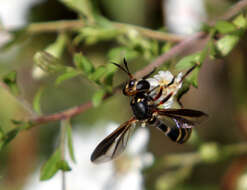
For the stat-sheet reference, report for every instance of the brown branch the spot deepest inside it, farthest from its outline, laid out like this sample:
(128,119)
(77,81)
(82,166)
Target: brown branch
(156,35)
(61,115)
(234,10)
(71,25)
(176,50)
(55,26)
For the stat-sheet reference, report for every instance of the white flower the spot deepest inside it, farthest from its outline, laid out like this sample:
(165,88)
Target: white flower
(122,173)
(163,78)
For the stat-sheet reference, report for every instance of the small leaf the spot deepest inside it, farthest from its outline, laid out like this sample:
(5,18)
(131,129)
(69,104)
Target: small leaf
(63,165)
(36,100)
(2,134)
(51,167)
(98,97)
(56,49)
(17,122)
(9,136)
(110,71)
(94,34)
(213,51)
(70,141)
(225,27)
(10,81)
(83,63)
(47,62)
(117,54)
(67,75)
(193,77)
(98,74)
(226,44)
(83,7)
(240,21)
(189,61)
(166,47)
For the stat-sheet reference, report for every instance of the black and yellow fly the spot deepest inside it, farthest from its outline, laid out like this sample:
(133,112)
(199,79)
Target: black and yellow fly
(147,111)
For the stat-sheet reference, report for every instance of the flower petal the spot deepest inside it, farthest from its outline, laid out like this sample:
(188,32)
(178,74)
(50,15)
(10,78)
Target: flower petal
(178,77)
(153,82)
(166,75)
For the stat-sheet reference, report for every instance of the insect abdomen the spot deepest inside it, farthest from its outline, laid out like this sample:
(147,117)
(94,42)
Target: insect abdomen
(178,135)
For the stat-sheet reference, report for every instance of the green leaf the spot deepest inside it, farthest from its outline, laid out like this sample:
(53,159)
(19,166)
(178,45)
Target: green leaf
(63,165)
(51,167)
(117,54)
(166,47)
(213,51)
(227,43)
(98,97)
(70,141)
(240,21)
(47,62)
(9,136)
(56,49)
(189,61)
(67,75)
(98,74)
(83,7)
(2,134)
(36,100)
(110,71)
(193,77)
(10,81)
(94,34)
(225,27)
(83,63)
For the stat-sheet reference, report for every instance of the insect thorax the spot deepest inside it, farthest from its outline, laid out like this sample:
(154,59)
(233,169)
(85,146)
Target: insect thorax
(140,107)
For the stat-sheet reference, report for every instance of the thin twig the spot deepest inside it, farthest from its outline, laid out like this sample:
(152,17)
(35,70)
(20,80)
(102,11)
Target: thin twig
(234,10)
(162,36)
(71,25)
(62,146)
(55,26)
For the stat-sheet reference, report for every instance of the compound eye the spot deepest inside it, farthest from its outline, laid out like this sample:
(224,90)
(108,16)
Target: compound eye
(143,85)
(132,83)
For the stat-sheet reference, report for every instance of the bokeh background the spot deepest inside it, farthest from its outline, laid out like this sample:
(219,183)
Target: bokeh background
(221,93)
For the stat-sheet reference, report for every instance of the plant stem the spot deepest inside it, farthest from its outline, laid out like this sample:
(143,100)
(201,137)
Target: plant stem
(71,25)
(162,36)
(55,26)
(62,147)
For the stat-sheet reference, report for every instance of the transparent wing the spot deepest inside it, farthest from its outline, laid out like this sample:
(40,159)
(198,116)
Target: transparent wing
(114,144)
(184,118)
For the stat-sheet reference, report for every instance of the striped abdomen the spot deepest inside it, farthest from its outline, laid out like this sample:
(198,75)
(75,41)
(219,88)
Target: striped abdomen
(176,134)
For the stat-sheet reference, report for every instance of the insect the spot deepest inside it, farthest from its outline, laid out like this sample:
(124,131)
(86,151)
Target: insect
(146,109)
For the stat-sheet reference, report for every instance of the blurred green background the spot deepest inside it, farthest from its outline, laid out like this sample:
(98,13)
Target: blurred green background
(221,93)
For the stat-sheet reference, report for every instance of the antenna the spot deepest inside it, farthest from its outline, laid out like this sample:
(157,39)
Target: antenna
(126,69)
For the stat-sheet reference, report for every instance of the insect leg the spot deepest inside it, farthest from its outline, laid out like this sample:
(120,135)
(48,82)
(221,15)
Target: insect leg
(165,99)
(159,94)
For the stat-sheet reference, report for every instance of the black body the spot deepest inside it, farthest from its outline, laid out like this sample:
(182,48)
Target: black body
(140,107)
